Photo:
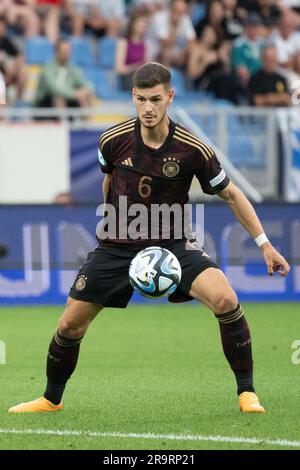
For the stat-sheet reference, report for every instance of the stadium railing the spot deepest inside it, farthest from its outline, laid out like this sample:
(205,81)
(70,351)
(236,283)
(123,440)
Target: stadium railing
(246,136)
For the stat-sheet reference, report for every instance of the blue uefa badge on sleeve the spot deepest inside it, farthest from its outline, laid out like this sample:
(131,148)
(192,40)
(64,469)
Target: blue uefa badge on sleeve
(101,158)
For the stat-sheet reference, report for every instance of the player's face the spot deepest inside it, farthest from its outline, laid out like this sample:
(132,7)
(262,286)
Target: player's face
(152,104)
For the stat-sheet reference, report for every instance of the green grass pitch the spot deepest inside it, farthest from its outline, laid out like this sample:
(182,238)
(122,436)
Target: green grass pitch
(152,369)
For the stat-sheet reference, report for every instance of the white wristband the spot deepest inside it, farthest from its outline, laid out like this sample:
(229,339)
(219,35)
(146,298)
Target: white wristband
(262,238)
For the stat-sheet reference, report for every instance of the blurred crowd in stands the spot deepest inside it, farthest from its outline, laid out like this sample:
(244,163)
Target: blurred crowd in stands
(75,52)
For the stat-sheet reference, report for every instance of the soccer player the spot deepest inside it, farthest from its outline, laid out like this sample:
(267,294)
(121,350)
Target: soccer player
(152,160)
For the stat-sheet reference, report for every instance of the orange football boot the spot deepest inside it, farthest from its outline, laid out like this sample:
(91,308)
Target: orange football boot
(249,403)
(39,405)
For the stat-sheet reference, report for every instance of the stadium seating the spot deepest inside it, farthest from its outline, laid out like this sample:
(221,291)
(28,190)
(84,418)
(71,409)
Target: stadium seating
(107,52)
(38,50)
(178,83)
(105,83)
(98,67)
(81,52)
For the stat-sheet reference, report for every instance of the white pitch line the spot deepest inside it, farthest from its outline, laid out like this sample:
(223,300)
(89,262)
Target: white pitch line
(172,437)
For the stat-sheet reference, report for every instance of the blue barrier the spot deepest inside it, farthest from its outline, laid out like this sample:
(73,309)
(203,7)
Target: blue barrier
(86,175)
(47,244)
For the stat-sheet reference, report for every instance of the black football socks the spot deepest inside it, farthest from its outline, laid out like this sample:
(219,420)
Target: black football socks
(236,342)
(61,362)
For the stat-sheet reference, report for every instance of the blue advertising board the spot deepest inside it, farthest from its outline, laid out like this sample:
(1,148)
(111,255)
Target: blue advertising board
(43,247)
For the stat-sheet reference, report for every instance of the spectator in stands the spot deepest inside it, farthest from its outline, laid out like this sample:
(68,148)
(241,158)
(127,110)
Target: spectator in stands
(2,91)
(133,50)
(287,39)
(82,14)
(293,78)
(290,4)
(61,84)
(113,12)
(64,199)
(246,52)
(171,32)
(232,22)
(217,76)
(243,8)
(267,87)
(21,14)
(3,8)
(149,6)
(268,11)
(49,12)
(206,59)
(99,17)
(11,62)
(215,16)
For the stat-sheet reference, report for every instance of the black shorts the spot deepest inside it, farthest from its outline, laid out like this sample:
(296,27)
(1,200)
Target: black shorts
(104,280)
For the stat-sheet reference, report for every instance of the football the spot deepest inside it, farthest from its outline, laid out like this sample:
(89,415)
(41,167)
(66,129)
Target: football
(155,272)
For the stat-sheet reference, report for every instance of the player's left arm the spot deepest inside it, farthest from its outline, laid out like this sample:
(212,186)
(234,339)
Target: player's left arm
(246,215)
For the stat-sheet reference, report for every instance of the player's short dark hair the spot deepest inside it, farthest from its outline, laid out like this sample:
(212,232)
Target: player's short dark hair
(150,75)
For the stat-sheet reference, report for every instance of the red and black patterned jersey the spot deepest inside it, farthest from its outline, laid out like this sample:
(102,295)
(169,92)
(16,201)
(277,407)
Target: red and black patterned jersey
(156,176)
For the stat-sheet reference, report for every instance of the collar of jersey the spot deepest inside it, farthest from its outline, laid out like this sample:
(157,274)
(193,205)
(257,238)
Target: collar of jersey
(145,148)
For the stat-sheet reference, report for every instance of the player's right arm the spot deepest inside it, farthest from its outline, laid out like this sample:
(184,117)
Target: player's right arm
(105,186)
(104,157)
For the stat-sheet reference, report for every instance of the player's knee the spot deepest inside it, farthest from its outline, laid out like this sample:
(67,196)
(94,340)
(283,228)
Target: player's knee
(71,329)
(76,318)
(224,302)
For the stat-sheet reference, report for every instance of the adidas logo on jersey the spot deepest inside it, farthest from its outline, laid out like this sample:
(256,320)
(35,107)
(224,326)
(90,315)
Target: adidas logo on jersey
(127,162)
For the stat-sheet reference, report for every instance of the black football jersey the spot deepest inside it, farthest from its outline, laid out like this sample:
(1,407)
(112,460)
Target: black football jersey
(156,176)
